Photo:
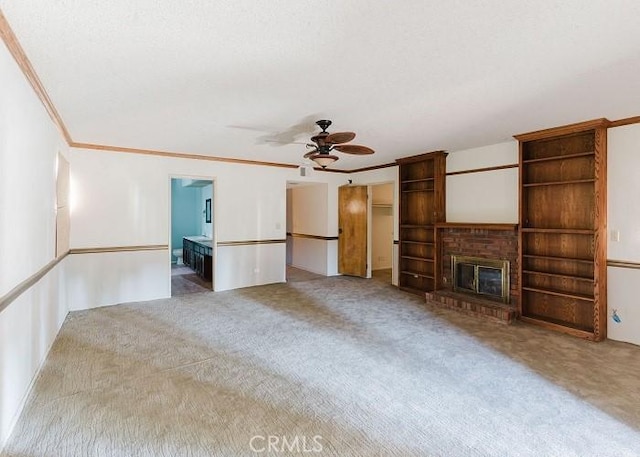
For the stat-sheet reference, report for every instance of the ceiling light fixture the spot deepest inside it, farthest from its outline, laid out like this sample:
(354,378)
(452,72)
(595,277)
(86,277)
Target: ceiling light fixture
(325,142)
(323,159)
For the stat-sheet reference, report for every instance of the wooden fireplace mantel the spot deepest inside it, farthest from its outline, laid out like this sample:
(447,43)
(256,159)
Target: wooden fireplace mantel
(477,225)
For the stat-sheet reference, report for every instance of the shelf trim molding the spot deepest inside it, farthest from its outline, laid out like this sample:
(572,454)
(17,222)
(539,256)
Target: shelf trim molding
(419,157)
(477,225)
(559,259)
(563,130)
(577,155)
(559,230)
(559,183)
(559,328)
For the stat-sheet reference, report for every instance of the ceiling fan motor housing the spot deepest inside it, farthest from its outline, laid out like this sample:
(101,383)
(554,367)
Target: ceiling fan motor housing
(323,124)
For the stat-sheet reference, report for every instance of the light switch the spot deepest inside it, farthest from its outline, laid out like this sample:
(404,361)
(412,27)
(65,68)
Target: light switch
(615,235)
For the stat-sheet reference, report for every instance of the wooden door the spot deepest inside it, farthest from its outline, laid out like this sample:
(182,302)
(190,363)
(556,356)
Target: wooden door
(352,230)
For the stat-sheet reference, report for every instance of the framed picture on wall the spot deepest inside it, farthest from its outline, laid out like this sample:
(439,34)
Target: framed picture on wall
(207,211)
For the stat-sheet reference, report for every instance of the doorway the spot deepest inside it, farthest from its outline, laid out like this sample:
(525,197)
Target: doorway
(382,232)
(191,235)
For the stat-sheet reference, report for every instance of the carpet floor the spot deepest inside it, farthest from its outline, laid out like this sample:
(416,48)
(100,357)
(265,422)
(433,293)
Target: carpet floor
(333,367)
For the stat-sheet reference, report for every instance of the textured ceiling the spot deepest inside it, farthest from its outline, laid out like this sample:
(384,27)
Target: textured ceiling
(245,79)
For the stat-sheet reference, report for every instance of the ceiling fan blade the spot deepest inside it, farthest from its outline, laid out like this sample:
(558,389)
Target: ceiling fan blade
(283,142)
(353,149)
(340,137)
(310,153)
(320,139)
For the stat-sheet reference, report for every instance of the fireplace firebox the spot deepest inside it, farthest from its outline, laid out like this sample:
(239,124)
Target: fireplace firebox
(488,278)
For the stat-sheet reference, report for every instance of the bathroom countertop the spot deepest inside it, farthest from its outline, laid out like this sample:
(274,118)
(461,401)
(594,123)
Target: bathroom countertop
(203,240)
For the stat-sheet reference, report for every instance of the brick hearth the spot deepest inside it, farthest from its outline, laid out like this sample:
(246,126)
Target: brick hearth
(472,305)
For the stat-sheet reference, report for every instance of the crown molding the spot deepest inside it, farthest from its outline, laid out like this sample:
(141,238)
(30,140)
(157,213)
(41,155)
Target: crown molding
(16,50)
(625,121)
(180,155)
(563,130)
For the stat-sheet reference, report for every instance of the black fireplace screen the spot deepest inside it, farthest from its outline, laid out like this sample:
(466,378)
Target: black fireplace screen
(466,276)
(490,281)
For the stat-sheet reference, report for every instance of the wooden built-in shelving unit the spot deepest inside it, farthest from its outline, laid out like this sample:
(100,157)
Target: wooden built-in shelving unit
(422,205)
(562,236)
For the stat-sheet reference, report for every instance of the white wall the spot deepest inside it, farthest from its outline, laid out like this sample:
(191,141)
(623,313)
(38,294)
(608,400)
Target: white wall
(624,216)
(29,143)
(122,200)
(28,328)
(308,214)
(101,279)
(244,266)
(489,196)
(310,209)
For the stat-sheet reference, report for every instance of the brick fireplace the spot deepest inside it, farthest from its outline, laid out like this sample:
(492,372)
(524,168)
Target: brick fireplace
(493,242)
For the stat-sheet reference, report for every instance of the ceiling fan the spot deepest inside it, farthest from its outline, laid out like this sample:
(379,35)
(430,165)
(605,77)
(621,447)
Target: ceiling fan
(325,142)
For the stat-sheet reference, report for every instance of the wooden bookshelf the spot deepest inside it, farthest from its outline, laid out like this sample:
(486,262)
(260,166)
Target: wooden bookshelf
(422,205)
(562,230)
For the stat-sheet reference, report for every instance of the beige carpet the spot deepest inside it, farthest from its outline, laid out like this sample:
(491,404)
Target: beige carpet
(342,366)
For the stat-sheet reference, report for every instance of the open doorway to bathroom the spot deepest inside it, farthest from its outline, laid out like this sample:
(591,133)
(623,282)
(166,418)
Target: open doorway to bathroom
(192,236)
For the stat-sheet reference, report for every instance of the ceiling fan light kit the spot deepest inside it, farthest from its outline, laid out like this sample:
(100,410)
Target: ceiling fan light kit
(323,159)
(325,142)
